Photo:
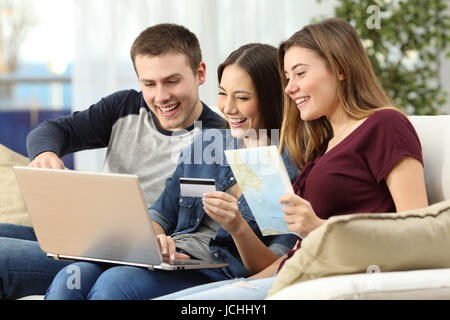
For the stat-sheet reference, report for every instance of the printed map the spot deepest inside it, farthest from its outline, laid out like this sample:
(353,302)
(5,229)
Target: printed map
(263,179)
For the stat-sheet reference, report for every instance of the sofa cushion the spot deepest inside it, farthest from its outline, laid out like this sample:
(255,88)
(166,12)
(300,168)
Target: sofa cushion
(429,284)
(434,135)
(12,206)
(359,243)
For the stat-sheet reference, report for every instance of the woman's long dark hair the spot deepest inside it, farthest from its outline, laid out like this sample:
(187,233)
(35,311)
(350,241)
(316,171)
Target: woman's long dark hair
(260,62)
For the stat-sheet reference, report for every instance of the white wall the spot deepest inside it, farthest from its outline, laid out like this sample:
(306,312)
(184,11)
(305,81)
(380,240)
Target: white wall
(105,30)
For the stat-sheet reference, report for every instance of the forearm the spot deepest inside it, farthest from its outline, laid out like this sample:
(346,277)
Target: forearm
(255,255)
(271,270)
(158,228)
(46,137)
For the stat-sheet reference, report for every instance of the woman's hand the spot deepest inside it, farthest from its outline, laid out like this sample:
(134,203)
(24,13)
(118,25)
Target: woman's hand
(168,249)
(299,215)
(223,208)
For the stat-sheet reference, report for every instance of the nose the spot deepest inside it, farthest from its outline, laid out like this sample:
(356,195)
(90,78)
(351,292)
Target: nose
(162,95)
(291,87)
(228,106)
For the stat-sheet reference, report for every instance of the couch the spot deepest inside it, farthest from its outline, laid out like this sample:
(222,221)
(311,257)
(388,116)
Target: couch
(423,276)
(387,256)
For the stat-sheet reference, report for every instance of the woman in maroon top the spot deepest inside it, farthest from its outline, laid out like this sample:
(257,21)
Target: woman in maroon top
(357,153)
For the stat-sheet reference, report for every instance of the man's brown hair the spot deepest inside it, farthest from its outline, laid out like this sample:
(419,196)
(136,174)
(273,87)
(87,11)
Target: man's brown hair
(167,37)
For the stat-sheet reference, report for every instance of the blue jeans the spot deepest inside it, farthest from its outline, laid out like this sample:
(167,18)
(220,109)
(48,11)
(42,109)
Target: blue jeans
(236,289)
(24,268)
(84,280)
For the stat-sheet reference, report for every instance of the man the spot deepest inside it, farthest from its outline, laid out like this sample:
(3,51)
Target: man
(141,130)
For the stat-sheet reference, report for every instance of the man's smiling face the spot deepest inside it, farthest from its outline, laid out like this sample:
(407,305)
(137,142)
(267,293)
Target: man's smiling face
(170,88)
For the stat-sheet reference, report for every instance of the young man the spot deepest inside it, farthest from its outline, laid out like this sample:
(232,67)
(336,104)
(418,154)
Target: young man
(142,131)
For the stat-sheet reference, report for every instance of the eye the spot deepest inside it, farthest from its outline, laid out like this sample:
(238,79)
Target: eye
(299,74)
(221,93)
(173,81)
(242,98)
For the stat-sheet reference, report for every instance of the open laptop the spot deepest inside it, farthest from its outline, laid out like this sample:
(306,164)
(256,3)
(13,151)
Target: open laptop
(98,217)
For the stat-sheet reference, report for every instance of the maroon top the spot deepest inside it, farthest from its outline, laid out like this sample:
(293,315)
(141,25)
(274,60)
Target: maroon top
(350,178)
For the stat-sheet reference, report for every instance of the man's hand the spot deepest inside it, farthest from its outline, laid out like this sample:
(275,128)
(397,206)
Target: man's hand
(48,159)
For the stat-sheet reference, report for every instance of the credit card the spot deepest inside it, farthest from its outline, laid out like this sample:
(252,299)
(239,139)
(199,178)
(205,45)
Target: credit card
(195,187)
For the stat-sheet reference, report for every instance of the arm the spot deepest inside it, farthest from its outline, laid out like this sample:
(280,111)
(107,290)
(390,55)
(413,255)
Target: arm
(164,215)
(224,209)
(82,130)
(406,183)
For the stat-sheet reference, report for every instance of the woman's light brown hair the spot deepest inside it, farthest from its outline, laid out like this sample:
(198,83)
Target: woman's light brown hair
(359,94)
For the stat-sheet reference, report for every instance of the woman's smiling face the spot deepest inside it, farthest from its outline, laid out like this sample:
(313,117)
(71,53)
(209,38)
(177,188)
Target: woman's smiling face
(310,83)
(238,101)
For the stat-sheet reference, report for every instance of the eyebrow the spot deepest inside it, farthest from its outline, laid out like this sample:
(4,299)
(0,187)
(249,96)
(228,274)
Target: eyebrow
(297,65)
(165,78)
(238,91)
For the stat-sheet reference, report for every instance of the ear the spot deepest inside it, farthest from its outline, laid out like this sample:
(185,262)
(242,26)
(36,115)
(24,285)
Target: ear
(341,76)
(201,73)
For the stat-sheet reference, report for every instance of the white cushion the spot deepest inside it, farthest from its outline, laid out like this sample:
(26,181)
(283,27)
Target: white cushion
(434,135)
(420,284)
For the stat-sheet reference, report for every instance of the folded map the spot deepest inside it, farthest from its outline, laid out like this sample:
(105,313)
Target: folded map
(263,179)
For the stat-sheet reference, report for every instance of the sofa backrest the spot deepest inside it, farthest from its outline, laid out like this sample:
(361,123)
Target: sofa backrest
(434,135)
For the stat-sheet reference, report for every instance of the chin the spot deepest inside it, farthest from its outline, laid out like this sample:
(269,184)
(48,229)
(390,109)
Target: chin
(238,133)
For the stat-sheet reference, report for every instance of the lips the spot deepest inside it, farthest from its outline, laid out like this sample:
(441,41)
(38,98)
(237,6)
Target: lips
(237,122)
(169,110)
(302,100)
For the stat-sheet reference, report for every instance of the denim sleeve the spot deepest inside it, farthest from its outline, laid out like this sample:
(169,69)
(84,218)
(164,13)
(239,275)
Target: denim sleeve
(165,210)
(281,244)
(291,169)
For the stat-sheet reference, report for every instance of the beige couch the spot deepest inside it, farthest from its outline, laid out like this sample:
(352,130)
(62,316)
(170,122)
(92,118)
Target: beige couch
(389,256)
(410,258)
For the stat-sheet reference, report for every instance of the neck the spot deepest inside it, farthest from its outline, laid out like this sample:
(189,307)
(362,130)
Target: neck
(341,122)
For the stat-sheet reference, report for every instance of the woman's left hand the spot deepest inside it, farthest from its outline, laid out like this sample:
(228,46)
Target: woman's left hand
(299,215)
(223,208)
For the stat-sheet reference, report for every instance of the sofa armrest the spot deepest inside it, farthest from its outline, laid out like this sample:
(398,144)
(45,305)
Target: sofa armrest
(418,284)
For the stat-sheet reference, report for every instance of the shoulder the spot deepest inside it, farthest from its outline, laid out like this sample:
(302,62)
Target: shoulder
(125,95)
(211,119)
(389,120)
(129,101)
(388,116)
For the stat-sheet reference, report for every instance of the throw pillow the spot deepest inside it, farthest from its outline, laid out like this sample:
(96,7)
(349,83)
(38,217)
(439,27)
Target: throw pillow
(12,206)
(359,243)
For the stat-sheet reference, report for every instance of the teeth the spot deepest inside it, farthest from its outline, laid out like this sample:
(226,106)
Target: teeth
(237,120)
(300,100)
(169,108)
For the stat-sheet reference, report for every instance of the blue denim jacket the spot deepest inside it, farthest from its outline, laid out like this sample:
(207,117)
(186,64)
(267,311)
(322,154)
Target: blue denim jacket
(205,158)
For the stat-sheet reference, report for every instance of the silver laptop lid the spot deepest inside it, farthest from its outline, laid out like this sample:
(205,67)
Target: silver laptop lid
(90,215)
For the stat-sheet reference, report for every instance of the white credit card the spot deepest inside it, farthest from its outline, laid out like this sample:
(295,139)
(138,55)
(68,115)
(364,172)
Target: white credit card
(195,187)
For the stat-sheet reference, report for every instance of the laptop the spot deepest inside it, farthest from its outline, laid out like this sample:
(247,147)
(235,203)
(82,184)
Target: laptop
(97,217)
